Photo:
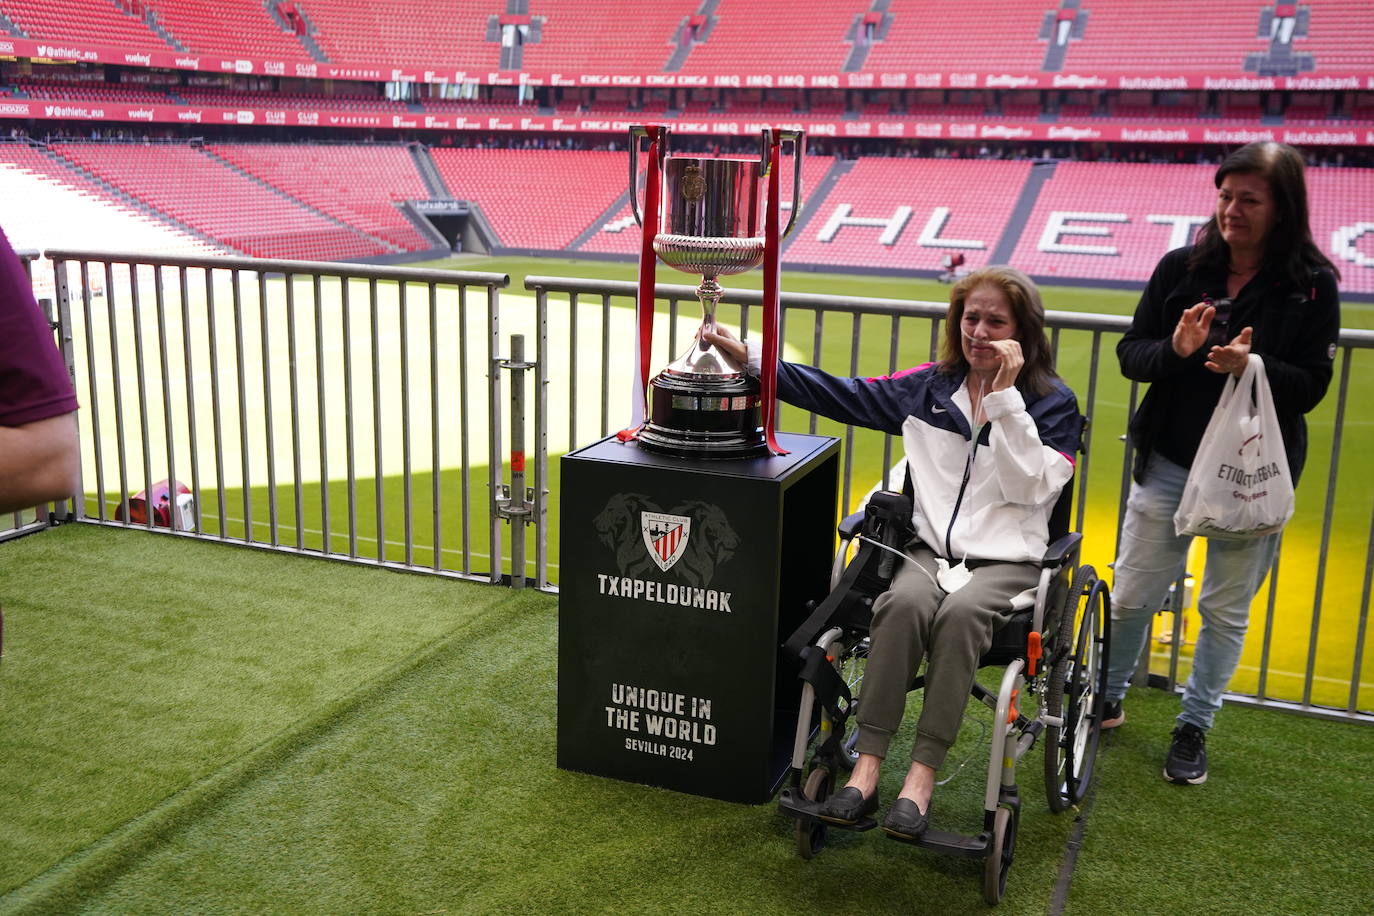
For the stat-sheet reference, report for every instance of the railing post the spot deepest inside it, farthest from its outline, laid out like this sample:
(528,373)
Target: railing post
(515,502)
(63,326)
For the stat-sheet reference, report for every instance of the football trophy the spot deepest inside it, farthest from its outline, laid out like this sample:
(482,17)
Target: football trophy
(709,216)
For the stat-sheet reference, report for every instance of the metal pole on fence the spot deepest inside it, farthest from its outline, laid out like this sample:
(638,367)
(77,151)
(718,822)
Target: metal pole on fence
(514,502)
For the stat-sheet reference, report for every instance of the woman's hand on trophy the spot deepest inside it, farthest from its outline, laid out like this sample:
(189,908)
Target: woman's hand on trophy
(721,337)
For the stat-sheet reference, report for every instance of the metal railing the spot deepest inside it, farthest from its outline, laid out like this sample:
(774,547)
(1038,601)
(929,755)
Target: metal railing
(1308,642)
(307,407)
(332,410)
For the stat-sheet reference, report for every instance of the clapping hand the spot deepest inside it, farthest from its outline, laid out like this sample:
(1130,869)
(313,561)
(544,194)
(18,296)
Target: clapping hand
(1233,357)
(1192,329)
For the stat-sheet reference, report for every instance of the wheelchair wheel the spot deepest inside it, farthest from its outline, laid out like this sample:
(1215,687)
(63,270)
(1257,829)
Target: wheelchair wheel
(1076,691)
(998,862)
(811,835)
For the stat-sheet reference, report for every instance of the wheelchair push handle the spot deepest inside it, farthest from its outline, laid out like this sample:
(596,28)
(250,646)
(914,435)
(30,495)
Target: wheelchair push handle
(887,520)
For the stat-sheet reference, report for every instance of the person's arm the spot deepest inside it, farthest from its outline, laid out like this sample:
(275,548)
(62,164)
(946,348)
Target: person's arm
(39,462)
(1300,382)
(1032,450)
(875,403)
(1149,350)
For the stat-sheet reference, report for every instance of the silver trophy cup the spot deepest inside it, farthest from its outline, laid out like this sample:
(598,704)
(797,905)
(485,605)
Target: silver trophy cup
(704,404)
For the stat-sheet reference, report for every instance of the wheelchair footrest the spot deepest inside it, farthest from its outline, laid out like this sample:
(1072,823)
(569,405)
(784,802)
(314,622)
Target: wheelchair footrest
(792,803)
(956,844)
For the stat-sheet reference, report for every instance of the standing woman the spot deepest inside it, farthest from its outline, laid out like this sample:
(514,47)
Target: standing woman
(1254,282)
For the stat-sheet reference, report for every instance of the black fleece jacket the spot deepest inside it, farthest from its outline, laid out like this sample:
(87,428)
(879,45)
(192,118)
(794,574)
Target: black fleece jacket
(1295,331)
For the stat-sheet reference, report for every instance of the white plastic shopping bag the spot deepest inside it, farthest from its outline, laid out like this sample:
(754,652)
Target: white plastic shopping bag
(1239,486)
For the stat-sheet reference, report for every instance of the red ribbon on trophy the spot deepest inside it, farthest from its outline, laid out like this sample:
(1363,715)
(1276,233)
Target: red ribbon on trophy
(648,274)
(772,280)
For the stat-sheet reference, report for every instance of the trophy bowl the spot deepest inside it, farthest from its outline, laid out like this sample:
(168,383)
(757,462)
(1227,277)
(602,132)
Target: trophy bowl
(709,256)
(705,404)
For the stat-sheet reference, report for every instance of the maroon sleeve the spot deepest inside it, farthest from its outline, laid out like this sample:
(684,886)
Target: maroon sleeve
(33,379)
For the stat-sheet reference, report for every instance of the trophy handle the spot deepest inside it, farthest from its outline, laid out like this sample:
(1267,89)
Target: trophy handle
(798,139)
(637,134)
(798,145)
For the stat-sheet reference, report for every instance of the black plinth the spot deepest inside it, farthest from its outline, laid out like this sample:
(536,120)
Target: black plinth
(678,581)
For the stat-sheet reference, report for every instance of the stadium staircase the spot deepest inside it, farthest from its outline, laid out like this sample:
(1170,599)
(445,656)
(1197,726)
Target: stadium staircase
(685,38)
(429,173)
(390,246)
(306,38)
(10,27)
(513,54)
(811,204)
(153,22)
(610,213)
(81,177)
(860,43)
(1040,173)
(1056,51)
(86,22)
(1280,59)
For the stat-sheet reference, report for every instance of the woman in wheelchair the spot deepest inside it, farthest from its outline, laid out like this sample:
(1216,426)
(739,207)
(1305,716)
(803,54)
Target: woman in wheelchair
(988,432)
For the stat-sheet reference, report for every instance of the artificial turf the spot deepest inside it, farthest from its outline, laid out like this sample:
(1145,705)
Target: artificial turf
(190,727)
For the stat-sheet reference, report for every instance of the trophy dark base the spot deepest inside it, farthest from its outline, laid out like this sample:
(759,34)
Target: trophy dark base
(704,417)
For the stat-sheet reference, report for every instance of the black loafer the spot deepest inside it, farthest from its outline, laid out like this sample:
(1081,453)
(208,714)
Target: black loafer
(848,806)
(905,821)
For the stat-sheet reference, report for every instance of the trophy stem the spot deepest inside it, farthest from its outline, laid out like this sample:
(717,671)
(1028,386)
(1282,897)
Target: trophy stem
(709,292)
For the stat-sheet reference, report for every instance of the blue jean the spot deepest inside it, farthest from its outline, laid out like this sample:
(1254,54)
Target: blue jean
(1150,558)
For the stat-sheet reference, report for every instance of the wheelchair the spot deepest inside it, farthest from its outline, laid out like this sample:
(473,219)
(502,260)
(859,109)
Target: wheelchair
(1054,685)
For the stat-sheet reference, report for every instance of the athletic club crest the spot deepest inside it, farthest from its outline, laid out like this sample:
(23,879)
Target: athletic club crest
(665,536)
(692,539)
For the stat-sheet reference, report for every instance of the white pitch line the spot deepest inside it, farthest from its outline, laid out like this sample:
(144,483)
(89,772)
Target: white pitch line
(416,548)
(1273,672)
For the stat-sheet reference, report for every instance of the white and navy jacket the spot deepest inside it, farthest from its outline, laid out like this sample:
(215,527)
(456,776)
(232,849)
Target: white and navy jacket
(1024,457)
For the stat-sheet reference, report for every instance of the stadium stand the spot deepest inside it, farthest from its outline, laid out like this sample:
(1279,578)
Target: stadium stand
(89,92)
(395,35)
(1342,203)
(1339,34)
(959,62)
(63,210)
(358,185)
(587,34)
(933,37)
(1167,36)
(621,235)
(226,27)
(770,37)
(535,199)
(1101,220)
(979,195)
(208,195)
(345,101)
(81,20)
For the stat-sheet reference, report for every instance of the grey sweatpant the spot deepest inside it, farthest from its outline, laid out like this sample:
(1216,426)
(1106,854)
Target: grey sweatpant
(914,619)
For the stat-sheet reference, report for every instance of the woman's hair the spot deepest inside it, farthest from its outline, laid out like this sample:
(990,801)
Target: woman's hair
(1288,248)
(1037,375)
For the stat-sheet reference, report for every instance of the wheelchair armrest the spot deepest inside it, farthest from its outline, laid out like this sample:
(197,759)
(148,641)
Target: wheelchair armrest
(850,526)
(1061,550)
